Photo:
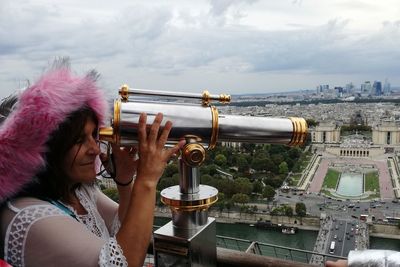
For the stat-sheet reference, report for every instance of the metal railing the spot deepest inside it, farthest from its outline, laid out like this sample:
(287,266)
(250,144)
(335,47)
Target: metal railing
(241,252)
(271,250)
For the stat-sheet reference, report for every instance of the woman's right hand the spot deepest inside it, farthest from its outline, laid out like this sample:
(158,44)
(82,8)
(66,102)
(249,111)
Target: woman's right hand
(153,156)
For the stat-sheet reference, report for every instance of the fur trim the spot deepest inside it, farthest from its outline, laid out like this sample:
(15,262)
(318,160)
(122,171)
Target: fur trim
(39,111)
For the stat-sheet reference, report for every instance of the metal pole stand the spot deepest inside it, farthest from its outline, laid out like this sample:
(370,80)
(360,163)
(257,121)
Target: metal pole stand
(190,238)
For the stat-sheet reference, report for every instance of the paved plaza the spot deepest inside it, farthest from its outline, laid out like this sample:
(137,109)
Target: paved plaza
(385,184)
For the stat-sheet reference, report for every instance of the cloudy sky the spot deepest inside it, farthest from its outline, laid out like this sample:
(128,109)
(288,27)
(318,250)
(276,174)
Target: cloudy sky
(232,46)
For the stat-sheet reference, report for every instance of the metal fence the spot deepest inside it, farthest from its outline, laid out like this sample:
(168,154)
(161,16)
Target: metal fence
(263,249)
(271,250)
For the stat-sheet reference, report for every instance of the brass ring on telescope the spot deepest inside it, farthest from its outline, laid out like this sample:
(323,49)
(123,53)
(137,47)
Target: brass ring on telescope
(215,129)
(300,130)
(223,98)
(111,134)
(173,198)
(124,92)
(191,205)
(116,120)
(205,97)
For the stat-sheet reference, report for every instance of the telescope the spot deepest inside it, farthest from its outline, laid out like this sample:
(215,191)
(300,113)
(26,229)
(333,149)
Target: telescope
(189,239)
(199,121)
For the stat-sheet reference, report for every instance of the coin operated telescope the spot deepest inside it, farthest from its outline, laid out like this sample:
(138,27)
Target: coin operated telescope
(190,238)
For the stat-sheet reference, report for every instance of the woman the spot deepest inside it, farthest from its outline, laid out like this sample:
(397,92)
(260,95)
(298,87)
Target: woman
(53,214)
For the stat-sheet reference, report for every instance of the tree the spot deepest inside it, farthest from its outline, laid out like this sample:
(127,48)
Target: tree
(258,163)
(228,206)
(283,168)
(275,181)
(208,169)
(294,153)
(257,187)
(220,160)
(301,209)
(268,192)
(288,211)
(275,211)
(221,202)
(240,198)
(242,185)
(242,163)
(170,170)
(206,179)
(226,186)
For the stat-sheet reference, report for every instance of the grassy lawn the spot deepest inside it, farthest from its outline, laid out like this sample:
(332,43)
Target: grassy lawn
(377,195)
(296,178)
(331,179)
(304,161)
(372,181)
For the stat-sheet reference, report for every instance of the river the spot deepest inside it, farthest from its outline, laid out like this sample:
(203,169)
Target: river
(302,240)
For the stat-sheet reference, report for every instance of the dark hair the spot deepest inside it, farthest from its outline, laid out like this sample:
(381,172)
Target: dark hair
(52,182)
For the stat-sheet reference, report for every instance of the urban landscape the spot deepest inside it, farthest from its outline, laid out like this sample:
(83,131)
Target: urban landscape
(348,180)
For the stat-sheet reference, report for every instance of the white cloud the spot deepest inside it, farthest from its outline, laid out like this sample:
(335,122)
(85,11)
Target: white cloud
(228,44)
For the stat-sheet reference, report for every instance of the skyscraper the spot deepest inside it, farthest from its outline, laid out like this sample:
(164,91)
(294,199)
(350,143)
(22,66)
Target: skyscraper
(386,87)
(366,87)
(377,88)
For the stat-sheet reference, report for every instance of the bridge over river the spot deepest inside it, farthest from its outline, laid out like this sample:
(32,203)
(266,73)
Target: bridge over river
(337,237)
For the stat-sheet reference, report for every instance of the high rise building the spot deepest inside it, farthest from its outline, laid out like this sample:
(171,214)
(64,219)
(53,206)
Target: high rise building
(377,88)
(366,87)
(322,88)
(386,87)
(349,88)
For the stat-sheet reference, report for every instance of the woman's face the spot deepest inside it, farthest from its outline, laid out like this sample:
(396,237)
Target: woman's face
(79,163)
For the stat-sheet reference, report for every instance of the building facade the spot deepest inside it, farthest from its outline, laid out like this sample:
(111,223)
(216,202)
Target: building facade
(386,133)
(325,133)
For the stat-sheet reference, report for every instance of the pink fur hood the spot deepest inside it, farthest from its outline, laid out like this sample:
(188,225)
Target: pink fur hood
(39,111)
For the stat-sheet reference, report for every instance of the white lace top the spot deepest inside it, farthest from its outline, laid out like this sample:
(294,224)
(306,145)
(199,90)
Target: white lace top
(37,233)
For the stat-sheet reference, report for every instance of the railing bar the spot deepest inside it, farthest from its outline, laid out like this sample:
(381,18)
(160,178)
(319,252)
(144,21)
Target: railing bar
(280,247)
(290,253)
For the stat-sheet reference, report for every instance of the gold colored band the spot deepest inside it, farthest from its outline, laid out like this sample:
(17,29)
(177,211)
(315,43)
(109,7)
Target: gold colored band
(111,134)
(116,121)
(206,97)
(107,134)
(215,129)
(192,205)
(300,130)
(223,98)
(124,92)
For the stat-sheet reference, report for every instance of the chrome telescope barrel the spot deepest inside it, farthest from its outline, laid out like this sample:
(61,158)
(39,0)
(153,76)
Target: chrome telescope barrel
(203,123)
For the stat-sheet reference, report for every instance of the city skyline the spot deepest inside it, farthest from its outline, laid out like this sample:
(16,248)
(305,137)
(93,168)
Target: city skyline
(229,46)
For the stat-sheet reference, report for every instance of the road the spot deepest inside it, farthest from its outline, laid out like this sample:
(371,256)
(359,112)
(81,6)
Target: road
(341,209)
(343,234)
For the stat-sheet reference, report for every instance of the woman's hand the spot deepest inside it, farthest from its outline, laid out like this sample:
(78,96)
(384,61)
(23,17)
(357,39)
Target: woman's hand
(339,263)
(125,161)
(153,157)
